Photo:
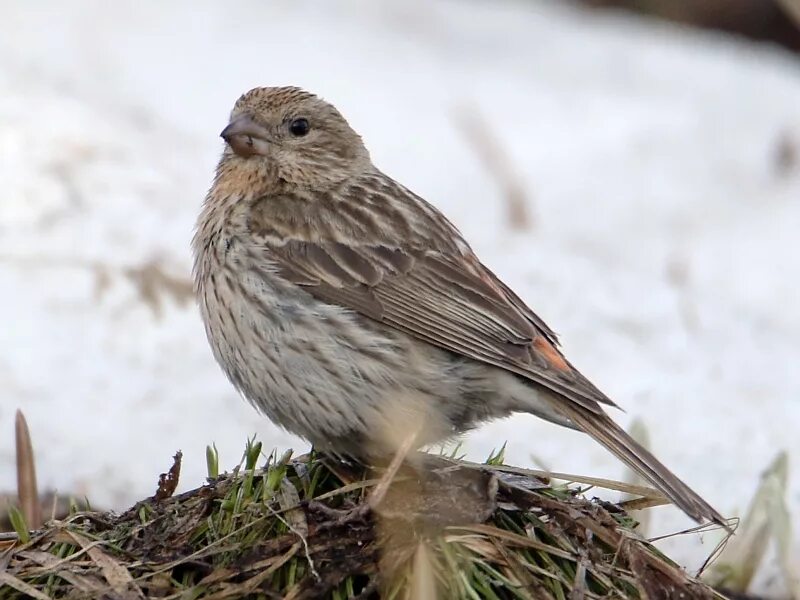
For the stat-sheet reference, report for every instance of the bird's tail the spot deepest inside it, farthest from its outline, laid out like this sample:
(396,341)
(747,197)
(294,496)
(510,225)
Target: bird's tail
(603,429)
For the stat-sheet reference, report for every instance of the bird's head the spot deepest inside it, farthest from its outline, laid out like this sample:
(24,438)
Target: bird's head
(286,136)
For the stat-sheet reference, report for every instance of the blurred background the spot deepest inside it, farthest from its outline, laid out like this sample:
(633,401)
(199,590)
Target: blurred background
(630,168)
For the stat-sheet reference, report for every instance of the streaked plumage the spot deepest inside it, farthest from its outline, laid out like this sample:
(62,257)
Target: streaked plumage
(346,307)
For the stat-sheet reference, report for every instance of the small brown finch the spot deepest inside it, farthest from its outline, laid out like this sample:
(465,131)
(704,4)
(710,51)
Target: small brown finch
(350,310)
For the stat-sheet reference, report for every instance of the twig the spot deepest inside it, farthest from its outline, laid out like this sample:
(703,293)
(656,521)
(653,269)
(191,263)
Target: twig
(287,499)
(380,490)
(766,520)
(168,482)
(151,279)
(499,165)
(638,432)
(423,578)
(792,9)
(26,474)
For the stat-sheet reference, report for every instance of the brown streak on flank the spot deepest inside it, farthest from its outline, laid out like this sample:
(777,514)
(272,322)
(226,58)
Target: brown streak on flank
(550,354)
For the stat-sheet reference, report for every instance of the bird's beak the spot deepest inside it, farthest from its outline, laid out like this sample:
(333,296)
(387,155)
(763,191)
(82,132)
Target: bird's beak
(246,137)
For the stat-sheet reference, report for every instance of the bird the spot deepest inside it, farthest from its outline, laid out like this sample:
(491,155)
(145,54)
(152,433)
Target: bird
(351,311)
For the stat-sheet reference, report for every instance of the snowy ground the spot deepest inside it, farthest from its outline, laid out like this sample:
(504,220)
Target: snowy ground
(664,246)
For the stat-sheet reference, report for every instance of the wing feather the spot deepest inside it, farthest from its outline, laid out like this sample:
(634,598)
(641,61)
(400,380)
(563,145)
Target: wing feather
(456,305)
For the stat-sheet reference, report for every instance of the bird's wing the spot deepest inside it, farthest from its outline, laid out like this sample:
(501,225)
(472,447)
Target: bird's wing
(453,302)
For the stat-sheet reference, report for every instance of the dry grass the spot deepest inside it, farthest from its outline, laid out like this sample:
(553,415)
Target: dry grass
(309,527)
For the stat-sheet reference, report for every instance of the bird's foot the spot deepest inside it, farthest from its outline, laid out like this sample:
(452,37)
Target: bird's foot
(338,517)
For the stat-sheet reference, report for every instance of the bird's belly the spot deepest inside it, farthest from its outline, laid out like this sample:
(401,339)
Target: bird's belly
(322,371)
(341,380)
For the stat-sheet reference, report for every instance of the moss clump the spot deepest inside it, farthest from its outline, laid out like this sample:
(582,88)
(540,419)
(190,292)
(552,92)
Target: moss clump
(310,527)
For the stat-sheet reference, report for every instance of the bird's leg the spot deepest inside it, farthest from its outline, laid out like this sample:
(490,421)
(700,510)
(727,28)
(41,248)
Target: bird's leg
(361,511)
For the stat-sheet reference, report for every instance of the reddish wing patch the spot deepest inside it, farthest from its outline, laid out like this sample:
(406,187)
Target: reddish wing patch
(550,354)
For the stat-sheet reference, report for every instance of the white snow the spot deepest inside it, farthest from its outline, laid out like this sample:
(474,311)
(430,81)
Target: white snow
(664,248)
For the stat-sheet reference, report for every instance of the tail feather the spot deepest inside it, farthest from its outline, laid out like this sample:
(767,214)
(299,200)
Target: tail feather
(603,429)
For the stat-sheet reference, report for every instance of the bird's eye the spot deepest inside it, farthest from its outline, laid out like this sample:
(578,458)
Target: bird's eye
(299,127)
